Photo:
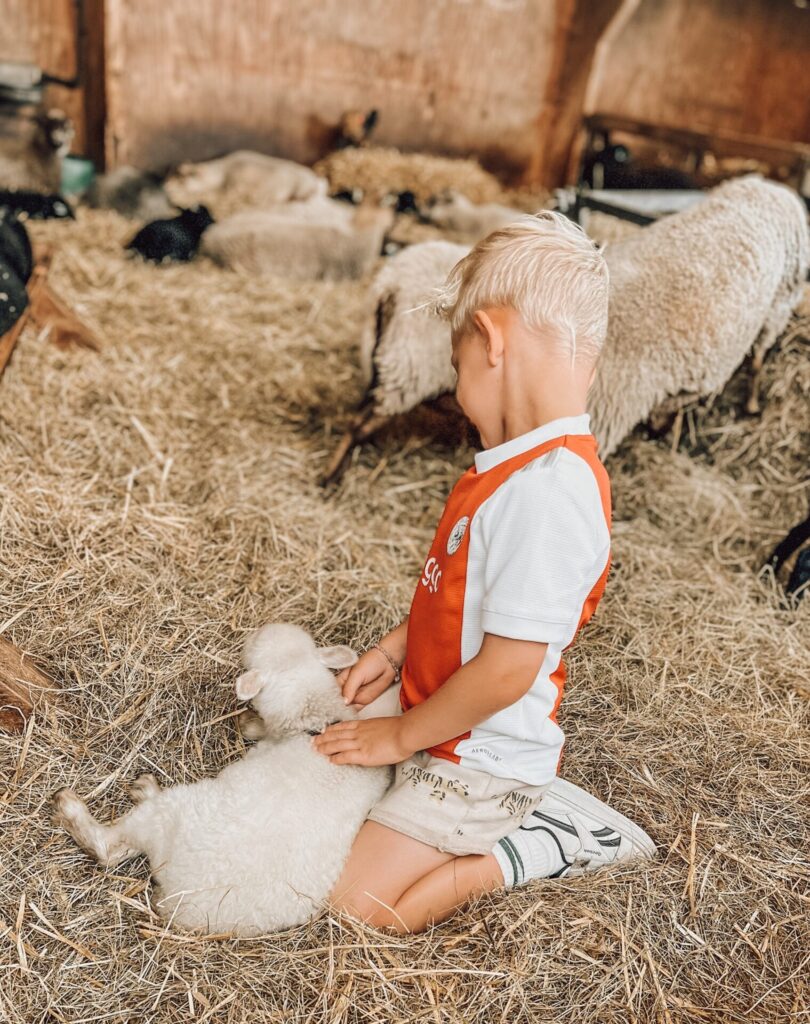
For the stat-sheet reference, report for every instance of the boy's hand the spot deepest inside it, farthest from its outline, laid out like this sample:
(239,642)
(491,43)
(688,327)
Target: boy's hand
(367,679)
(374,741)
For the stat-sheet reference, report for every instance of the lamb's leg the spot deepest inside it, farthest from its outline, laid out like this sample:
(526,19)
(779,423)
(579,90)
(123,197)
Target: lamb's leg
(752,406)
(252,726)
(109,844)
(364,424)
(143,787)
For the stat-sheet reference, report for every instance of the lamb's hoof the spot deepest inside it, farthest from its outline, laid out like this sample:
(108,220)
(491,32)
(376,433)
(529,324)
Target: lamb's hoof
(144,787)
(66,807)
(252,726)
(752,407)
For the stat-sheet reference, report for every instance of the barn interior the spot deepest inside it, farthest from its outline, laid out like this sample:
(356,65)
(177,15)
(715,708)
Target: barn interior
(164,433)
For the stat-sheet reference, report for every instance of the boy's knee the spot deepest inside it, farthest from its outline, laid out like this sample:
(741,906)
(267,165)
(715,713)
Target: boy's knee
(370,911)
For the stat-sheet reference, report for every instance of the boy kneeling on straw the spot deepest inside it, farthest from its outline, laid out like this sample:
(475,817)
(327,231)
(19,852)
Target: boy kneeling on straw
(517,567)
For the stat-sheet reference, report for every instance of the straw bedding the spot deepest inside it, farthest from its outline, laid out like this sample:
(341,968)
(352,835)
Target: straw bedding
(158,499)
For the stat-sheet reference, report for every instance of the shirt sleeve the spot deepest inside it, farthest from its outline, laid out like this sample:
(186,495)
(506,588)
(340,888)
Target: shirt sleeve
(547,544)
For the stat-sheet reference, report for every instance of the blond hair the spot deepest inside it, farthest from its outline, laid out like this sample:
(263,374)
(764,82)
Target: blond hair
(545,268)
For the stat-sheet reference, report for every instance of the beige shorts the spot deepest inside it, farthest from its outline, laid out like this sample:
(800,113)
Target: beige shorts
(456,809)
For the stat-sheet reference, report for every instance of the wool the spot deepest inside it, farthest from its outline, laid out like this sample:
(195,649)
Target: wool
(692,294)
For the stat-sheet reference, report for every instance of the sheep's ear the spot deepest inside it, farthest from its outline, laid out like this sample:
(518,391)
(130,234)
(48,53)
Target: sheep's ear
(336,657)
(248,684)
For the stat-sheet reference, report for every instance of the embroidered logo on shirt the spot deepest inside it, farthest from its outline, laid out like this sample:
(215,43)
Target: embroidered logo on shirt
(432,575)
(457,535)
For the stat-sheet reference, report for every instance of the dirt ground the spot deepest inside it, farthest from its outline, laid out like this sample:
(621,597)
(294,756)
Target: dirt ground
(159,499)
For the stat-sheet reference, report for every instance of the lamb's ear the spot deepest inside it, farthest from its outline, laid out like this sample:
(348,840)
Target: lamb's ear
(337,657)
(248,685)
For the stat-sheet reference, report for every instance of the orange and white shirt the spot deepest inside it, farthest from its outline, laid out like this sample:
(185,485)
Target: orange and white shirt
(522,550)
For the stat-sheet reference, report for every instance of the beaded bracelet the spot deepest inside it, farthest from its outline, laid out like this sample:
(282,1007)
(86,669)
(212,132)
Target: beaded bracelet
(390,660)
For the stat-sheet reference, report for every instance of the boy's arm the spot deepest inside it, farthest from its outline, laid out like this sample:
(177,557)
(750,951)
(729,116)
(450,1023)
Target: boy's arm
(373,673)
(501,672)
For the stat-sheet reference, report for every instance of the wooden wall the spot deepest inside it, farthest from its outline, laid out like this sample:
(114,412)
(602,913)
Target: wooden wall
(451,76)
(739,66)
(506,80)
(65,39)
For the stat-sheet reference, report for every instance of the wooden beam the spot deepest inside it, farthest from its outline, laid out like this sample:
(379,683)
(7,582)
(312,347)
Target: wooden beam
(23,687)
(580,26)
(11,337)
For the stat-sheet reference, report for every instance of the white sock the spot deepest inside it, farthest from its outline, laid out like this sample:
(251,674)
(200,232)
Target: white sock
(523,855)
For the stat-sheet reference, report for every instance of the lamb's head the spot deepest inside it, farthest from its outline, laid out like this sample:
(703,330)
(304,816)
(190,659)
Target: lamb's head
(288,680)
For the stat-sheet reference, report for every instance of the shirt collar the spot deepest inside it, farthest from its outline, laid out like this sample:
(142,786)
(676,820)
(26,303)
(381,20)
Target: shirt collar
(492,457)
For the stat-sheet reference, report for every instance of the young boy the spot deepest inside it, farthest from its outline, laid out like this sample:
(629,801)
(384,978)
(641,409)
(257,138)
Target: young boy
(518,565)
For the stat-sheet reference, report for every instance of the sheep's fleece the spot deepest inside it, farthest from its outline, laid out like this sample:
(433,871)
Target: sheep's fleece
(691,294)
(405,347)
(318,240)
(259,847)
(270,178)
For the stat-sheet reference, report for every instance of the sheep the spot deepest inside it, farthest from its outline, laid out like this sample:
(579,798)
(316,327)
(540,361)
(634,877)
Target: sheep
(300,242)
(175,238)
(31,160)
(35,205)
(799,580)
(259,847)
(404,348)
(689,298)
(130,192)
(454,212)
(16,267)
(692,295)
(272,179)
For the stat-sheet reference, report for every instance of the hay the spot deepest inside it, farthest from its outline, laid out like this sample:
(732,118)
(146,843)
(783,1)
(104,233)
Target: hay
(159,499)
(379,170)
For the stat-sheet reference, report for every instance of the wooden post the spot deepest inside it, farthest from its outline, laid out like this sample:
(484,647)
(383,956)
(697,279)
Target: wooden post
(22,687)
(580,26)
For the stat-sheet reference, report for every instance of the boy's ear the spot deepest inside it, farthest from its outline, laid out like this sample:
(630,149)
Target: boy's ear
(248,685)
(492,335)
(337,657)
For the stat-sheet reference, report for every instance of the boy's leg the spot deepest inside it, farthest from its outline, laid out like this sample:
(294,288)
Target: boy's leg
(437,896)
(382,864)
(393,881)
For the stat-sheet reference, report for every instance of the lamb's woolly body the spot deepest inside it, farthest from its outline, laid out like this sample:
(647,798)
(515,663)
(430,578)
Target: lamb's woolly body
(259,847)
(457,214)
(405,347)
(322,240)
(691,294)
(273,179)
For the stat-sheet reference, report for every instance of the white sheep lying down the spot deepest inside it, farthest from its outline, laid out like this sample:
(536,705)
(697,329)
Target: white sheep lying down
(259,847)
(455,212)
(318,240)
(271,178)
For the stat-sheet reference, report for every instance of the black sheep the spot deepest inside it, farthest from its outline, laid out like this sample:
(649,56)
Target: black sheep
(16,266)
(173,238)
(797,585)
(35,205)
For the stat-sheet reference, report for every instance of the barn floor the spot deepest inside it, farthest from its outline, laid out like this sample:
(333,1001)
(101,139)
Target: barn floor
(158,499)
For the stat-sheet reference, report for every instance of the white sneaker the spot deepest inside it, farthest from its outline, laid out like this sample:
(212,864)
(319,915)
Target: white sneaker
(570,833)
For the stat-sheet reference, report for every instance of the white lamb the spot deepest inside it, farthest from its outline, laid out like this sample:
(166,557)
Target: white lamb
(259,847)
(320,240)
(270,178)
(455,212)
